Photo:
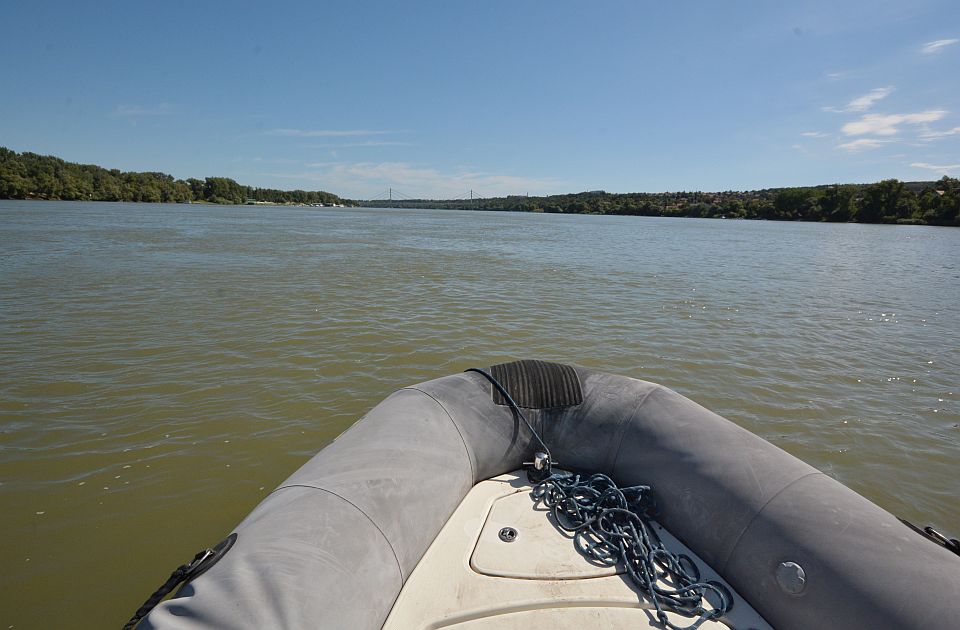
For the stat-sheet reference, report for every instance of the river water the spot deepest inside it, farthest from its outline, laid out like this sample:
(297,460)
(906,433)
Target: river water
(162,367)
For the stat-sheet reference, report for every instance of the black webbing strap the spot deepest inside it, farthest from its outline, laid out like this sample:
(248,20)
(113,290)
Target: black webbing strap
(184,573)
(179,575)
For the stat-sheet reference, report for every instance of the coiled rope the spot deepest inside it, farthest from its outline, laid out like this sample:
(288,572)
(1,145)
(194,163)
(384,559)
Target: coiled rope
(611,525)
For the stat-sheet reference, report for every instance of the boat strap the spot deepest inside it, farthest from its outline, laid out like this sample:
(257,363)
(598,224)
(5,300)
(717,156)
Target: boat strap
(184,573)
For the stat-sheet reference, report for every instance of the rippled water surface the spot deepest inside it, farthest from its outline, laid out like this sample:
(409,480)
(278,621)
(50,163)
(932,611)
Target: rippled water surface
(162,368)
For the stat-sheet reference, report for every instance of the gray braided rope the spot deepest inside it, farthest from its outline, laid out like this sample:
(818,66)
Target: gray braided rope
(611,525)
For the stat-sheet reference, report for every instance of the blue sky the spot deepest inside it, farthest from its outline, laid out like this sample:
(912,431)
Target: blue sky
(502,97)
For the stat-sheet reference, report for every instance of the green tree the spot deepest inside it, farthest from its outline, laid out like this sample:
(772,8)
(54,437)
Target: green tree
(836,203)
(940,205)
(881,202)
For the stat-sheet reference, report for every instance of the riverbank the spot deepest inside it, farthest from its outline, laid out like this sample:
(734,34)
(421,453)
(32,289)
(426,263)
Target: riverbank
(888,201)
(31,176)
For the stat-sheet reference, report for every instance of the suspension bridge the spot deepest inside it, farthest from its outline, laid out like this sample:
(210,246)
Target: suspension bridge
(393,198)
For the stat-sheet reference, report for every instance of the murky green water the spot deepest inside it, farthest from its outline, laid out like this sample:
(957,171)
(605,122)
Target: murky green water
(163,367)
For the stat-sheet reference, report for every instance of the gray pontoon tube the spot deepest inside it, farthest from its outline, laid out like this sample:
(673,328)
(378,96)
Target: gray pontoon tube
(333,545)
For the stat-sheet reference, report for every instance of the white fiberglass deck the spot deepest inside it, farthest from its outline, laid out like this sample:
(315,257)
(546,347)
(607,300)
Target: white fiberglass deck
(470,579)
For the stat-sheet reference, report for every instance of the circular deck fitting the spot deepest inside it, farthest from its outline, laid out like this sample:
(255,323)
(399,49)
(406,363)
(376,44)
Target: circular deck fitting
(508,534)
(791,577)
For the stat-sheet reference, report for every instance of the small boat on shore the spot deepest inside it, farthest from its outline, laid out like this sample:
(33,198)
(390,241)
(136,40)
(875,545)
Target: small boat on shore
(420,516)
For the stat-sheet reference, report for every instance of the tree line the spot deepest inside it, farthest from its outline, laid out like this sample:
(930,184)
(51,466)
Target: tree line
(31,176)
(887,201)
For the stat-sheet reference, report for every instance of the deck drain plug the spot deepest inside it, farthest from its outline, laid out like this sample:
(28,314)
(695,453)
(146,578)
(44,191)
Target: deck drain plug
(508,534)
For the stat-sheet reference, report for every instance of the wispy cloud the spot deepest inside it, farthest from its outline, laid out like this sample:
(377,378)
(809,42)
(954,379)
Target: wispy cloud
(375,143)
(863,144)
(161,109)
(369,143)
(931,134)
(934,47)
(836,76)
(326,133)
(368,179)
(263,160)
(815,134)
(949,170)
(863,103)
(866,101)
(888,124)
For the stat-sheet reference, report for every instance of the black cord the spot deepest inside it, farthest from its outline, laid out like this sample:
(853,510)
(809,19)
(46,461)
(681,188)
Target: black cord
(516,410)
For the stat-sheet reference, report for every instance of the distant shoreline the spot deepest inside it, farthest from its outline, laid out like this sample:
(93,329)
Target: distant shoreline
(888,201)
(32,176)
(269,204)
